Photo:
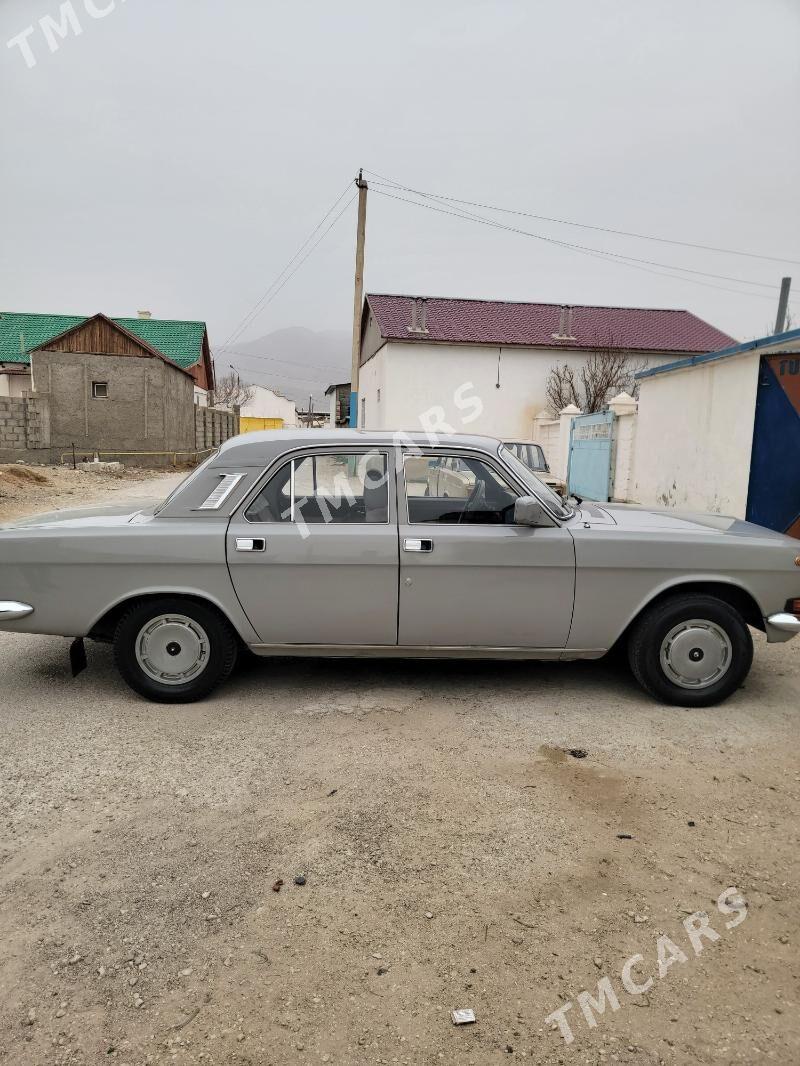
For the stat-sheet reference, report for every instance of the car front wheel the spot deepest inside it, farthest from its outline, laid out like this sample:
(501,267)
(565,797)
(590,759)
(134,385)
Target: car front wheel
(693,650)
(173,650)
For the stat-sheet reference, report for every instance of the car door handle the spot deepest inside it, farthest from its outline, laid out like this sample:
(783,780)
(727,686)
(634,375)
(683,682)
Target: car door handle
(412,544)
(250,544)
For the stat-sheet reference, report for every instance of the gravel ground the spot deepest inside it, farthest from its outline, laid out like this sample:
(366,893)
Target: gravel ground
(26,489)
(455,855)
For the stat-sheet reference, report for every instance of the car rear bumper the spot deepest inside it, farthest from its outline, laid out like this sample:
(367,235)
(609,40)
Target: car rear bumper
(11,610)
(782,626)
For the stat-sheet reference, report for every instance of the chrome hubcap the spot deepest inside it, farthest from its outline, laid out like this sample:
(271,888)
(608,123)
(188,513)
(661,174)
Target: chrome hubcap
(172,649)
(696,653)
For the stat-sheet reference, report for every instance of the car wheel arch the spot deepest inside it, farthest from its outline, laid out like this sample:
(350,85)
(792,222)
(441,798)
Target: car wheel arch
(735,595)
(103,628)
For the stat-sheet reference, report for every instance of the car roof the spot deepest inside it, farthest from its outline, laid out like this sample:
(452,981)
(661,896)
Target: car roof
(272,442)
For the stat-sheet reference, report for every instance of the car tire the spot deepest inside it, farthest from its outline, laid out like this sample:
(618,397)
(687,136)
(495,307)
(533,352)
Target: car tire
(174,650)
(690,650)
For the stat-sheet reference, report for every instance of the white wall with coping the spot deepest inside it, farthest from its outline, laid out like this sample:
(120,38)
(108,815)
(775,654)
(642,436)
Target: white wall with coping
(547,432)
(415,377)
(694,436)
(625,426)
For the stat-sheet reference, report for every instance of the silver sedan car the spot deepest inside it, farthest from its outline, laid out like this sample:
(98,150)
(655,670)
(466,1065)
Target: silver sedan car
(317,543)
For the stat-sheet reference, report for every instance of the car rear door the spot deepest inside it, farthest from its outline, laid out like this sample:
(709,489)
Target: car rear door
(472,578)
(313,553)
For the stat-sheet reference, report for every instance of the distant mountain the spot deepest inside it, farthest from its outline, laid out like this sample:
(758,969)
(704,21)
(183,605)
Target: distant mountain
(295,361)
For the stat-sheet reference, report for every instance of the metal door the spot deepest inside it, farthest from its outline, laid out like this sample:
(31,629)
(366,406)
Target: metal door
(773,497)
(591,452)
(328,584)
(486,586)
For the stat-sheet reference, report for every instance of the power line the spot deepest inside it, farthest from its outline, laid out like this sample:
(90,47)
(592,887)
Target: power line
(581,225)
(269,294)
(285,377)
(625,260)
(580,247)
(274,359)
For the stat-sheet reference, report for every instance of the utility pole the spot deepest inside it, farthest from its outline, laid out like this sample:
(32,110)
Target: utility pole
(358,297)
(783,301)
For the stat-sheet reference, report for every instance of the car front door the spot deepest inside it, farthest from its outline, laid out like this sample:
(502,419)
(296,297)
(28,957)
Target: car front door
(313,554)
(469,577)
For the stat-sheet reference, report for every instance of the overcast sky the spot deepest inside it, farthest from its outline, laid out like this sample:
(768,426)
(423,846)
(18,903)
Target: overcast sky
(175,154)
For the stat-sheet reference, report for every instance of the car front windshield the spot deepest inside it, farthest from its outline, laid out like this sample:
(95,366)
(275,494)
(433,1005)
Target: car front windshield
(526,476)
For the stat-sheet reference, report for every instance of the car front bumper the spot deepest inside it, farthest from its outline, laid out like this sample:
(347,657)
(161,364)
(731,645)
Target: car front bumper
(11,610)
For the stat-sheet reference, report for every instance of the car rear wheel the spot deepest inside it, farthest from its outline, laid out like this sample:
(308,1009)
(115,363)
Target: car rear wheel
(173,650)
(690,650)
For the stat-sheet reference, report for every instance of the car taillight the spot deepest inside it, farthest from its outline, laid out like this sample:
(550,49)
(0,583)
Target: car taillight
(793,606)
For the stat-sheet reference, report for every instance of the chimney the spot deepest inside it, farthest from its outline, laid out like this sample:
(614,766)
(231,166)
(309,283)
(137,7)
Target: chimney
(419,315)
(145,314)
(564,325)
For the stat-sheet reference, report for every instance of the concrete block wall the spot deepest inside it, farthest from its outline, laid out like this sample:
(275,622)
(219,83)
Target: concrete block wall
(213,426)
(12,424)
(24,423)
(37,422)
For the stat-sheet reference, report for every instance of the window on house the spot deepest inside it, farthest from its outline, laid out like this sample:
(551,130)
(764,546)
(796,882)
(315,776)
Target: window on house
(100,390)
(348,487)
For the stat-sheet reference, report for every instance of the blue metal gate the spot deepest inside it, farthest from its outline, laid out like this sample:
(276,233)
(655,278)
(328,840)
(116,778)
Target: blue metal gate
(773,498)
(591,446)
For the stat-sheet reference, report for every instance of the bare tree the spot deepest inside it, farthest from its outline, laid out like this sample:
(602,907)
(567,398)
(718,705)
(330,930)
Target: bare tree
(605,372)
(231,390)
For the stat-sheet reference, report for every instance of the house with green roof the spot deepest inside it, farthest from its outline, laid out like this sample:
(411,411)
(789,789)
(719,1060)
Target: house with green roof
(130,388)
(184,343)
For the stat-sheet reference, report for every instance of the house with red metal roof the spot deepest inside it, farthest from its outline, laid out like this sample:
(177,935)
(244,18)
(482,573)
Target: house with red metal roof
(484,364)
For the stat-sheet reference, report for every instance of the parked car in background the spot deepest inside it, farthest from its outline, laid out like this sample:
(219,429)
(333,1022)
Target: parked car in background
(348,543)
(532,455)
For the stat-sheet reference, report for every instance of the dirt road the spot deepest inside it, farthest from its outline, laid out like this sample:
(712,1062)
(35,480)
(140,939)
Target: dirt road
(27,489)
(455,855)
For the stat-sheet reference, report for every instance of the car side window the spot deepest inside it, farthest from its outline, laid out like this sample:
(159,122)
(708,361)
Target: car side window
(449,489)
(339,488)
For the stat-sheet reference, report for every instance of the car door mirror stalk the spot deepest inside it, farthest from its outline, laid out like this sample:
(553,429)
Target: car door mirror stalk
(528,511)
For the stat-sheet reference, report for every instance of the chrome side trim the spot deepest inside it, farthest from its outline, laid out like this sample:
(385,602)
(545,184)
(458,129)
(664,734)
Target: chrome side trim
(419,651)
(785,622)
(10,610)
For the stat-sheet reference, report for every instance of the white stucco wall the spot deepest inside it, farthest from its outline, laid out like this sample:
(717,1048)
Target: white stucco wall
(413,378)
(14,384)
(371,382)
(694,437)
(268,404)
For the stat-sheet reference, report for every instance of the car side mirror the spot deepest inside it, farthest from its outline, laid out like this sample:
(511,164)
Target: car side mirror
(528,511)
